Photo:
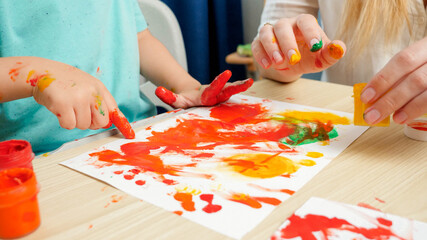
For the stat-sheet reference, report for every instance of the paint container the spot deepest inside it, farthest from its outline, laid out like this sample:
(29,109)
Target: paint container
(16,154)
(417,128)
(19,210)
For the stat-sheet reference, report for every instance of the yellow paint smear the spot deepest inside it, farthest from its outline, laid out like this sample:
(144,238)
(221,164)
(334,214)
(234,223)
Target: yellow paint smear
(317,116)
(360,108)
(314,154)
(44,82)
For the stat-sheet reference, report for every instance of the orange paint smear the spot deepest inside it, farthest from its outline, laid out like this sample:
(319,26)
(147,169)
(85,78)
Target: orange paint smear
(418,125)
(120,121)
(365,205)
(253,202)
(287,191)
(335,51)
(179,213)
(186,200)
(14,72)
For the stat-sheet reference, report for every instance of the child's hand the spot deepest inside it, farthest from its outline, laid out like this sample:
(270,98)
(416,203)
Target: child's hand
(207,95)
(294,46)
(78,99)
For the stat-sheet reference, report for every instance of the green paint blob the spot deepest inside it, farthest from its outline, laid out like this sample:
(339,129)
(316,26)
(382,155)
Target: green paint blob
(317,46)
(307,135)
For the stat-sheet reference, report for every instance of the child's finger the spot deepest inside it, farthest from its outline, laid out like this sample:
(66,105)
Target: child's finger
(312,32)
(269,42)
(209,95)
(120,121)
(234,88)
(66,117)
(284,32)
(166,95)
(99,112)
(83,116)
(260,54)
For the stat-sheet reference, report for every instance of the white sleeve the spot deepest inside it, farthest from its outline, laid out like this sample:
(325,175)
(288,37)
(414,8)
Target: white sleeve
(277,9)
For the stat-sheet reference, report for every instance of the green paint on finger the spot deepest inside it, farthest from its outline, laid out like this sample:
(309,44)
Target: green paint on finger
(317,46)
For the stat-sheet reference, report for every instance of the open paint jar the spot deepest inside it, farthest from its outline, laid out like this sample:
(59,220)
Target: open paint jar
(19,209)
(417,128)
(16,154)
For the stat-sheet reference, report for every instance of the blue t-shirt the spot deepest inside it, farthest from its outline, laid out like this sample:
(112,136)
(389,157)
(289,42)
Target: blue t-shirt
(96,36)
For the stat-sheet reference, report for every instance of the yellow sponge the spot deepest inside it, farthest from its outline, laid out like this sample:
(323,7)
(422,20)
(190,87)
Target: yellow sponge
(360,107)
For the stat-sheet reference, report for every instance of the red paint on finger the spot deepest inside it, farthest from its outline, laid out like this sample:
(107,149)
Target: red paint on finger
(229,91)
(210,94)
(120,121)
(318,63)
(165,95)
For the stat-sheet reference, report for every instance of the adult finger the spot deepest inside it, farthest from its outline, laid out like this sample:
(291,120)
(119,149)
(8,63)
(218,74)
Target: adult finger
(400,65)
(284,32)
(259,54)
(415,108)
(402,93)
(331,54)
(269,42)
(313,34)
(234,88)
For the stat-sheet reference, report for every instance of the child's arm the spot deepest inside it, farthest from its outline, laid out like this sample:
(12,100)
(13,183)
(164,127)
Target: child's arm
(158,65)
(75,97)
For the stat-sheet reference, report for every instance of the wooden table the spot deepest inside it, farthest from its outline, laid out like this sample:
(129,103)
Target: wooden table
(382,163)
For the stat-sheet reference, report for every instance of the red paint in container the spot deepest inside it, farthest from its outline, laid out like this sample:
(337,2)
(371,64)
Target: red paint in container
(19,210)
(16,154)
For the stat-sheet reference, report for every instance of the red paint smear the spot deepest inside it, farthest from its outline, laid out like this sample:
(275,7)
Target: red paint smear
(58,115)
(118,172)
(385,222)
(318,63)
(186,200)
(128,177)
(418,125)
(379,200)
(169,182)
(204,155)
(165,95)
(210,208)
(239,113)
(306,226)
(90,226)
(283,69)
(36,78)
(210,94)
(290,98)
(365,205)
(116,198)
(120,121)
(179,213)
(139,182)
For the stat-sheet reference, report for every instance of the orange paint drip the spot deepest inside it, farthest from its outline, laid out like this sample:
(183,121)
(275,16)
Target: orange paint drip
(365,205)
(335,50)
(186,200)
(360,108)
(179,213)
(120,121)
(14,72)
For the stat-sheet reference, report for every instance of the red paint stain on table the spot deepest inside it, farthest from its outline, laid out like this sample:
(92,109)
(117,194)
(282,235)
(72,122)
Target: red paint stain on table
(365,205)
(379,200)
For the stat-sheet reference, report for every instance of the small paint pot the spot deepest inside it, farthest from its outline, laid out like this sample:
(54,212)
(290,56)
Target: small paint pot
(19,209)
(417,128)
(16,154)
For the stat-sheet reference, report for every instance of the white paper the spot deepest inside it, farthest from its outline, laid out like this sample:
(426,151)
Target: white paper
(191,165)
(322,219)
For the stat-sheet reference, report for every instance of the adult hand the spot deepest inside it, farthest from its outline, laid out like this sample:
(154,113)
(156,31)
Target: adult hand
(400,87)
(296,46)
(207,95)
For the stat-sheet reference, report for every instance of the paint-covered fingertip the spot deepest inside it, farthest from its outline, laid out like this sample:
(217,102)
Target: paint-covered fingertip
(120,121)
(335,50)
(165,95)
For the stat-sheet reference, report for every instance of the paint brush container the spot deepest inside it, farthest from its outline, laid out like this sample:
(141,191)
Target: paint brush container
(417,128)
(16,154)
(19,209)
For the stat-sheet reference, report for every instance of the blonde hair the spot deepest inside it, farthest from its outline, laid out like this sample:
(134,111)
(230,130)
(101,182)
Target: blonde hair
(365,18)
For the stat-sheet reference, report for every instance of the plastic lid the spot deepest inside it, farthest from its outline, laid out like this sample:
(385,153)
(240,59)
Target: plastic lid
(14,152)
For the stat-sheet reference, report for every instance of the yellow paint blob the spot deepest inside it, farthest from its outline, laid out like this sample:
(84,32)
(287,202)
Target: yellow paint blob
(261,165)
(360,108)
(274,40)
(29,75)
(317,116)
(44,82)
(307,162)
(295,58)
(314,154)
